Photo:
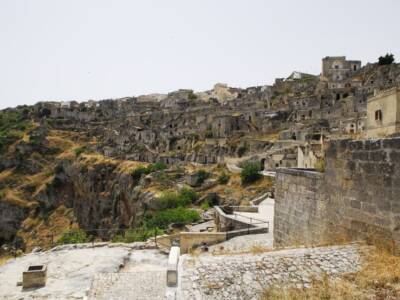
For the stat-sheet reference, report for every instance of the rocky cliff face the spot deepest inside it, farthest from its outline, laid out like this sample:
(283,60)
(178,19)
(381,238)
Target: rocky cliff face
(101,194)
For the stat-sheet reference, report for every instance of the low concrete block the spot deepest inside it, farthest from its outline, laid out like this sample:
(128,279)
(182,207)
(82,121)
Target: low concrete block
(172,269)
(34,276)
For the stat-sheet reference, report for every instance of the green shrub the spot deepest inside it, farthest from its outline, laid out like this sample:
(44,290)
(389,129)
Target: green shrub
(202,175)
(138,172)
(73,236)
(79,151)
(140,234)
(185,197)
(159,166)
(188,195)
(162,219)
(205,205)
(250,173)
(223,178)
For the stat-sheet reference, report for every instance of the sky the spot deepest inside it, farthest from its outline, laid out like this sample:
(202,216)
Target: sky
(60,50)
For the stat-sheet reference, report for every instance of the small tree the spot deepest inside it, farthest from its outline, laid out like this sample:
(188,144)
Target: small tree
(388,59)
(250,173)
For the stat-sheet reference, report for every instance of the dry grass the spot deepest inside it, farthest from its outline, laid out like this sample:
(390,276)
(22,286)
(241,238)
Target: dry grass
(379,278)
(14,198)
(235,190)
(38,231)
(128,166)
(257,249)
(91,159)
(5,175)
(4,259)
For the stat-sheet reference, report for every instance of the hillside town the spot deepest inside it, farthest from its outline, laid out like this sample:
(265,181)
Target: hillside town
(222,194)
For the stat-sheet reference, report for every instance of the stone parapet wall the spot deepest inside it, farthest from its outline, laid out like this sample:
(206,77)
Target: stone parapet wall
(356,198)
(227,222)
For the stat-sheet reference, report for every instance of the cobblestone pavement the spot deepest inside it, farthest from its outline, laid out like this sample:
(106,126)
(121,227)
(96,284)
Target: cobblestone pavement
(244,276)
(148,285)
(143,277)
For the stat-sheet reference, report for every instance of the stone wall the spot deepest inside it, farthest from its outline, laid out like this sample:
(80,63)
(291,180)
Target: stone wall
(299,207)
(356,198)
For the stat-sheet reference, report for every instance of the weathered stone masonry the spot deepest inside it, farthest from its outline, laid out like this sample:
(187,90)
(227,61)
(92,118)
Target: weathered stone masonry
(356,198)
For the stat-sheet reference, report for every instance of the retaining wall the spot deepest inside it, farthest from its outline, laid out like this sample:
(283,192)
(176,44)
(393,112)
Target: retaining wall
(358,196)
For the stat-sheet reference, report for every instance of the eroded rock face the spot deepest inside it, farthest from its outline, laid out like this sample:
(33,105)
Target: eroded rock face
(11,216)
(101,196)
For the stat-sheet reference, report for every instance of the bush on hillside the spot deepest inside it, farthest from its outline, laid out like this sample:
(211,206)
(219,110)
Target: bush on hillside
(140,234)
(250,173)
(73,236)
(139,171)
(162,219)
(223,178)
(184,197)
(202,175)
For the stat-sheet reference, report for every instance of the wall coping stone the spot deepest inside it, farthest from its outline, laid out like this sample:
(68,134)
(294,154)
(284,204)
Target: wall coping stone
(300,172)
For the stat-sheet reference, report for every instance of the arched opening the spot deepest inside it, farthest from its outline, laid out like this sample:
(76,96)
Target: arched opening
(262,164)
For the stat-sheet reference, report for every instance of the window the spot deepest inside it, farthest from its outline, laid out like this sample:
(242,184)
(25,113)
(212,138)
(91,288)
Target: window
(336,67)
(355,67)
(378,115)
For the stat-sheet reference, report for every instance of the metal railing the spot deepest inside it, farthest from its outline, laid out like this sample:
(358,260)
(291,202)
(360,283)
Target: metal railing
(92,236)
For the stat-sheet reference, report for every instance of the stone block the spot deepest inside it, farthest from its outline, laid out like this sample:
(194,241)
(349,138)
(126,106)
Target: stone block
(172,268)
(391,143)
(378,156)
(361,155)
(383,204)
(34,276)
(372,144)
(356,145)
(395,157)
(355,204)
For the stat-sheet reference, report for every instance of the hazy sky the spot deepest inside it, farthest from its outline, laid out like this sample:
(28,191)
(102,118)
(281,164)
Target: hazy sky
(94,49)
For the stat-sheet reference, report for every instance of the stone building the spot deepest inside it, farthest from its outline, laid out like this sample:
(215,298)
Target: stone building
(383,113)
(308,155)
(337,68)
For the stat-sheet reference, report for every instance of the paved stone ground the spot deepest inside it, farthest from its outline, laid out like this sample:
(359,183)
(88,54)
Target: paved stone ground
(245,276)
(69,272)
(107,271)
(148,285)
